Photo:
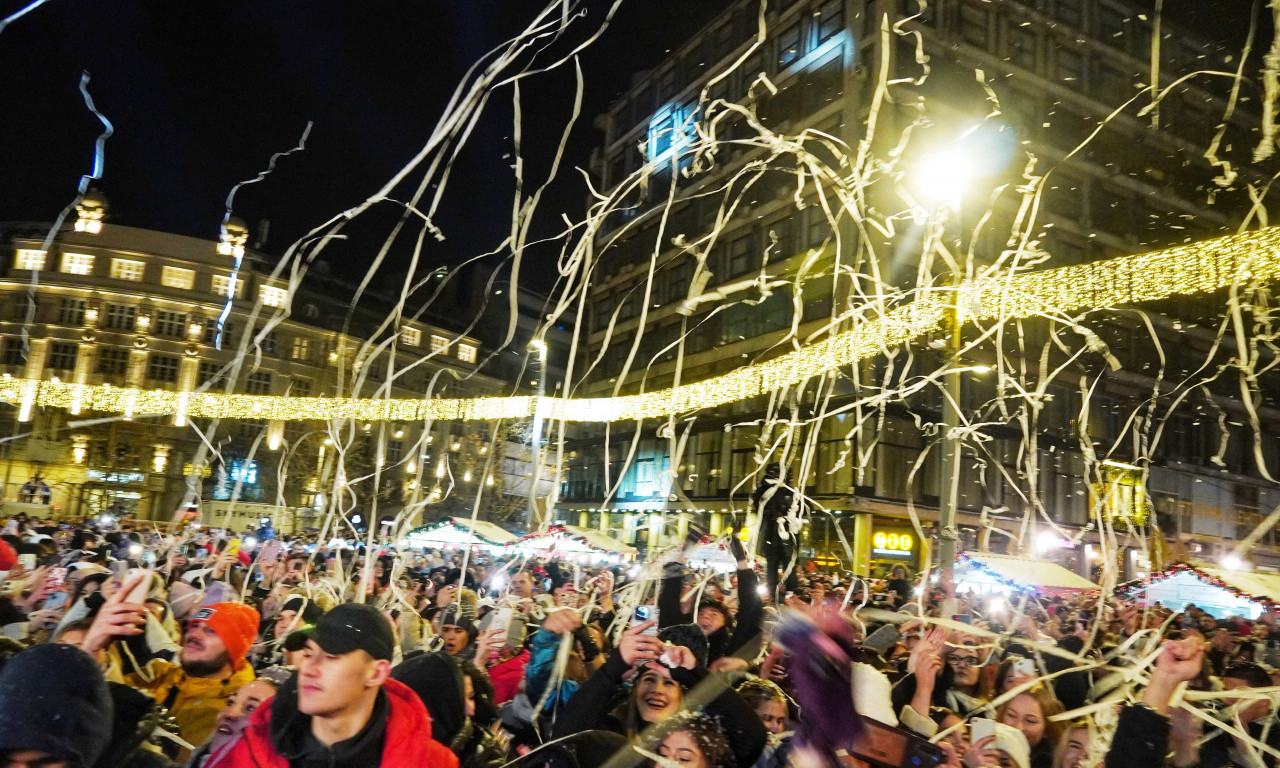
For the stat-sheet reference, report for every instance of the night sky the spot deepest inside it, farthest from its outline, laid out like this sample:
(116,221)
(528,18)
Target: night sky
(202,94)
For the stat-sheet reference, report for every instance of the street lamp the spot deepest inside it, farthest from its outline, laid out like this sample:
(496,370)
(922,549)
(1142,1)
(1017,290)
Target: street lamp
(941,178)
(539,347)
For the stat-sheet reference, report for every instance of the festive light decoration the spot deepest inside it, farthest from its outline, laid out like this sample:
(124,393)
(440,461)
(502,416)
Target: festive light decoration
(1132,590)
(1182,270)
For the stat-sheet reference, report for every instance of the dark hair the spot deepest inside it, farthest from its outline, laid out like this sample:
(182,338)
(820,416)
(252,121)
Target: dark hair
(1249,672)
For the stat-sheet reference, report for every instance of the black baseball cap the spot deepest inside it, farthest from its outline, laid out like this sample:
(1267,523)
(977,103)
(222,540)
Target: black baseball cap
(354,626)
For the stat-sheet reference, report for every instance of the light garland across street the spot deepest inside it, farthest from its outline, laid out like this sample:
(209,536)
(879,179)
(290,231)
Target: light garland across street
(1182,270)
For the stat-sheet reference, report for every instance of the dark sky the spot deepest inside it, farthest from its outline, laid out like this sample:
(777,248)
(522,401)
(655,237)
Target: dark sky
(202,94)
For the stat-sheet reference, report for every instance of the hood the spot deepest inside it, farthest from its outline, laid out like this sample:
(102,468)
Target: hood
(53,699)
(437,679)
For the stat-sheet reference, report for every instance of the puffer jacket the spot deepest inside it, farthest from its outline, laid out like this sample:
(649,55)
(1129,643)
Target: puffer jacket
(406,741)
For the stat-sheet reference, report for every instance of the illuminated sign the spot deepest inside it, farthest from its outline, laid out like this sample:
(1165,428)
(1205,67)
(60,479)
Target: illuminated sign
(115,477)
(893,543)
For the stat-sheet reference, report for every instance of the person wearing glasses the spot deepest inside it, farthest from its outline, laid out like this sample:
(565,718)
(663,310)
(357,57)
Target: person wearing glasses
(942,671)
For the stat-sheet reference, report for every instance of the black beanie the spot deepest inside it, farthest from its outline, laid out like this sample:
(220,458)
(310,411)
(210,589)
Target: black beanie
(306,609)
(454,615)
(437,680)
(690,636)
(54,699)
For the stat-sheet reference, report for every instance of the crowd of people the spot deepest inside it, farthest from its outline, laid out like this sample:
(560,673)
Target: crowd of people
(138,647)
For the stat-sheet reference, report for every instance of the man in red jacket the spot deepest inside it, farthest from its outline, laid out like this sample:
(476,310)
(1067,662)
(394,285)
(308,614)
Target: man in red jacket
(342,710)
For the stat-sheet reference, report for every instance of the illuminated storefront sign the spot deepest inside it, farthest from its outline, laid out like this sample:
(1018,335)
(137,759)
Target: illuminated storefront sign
(889,543)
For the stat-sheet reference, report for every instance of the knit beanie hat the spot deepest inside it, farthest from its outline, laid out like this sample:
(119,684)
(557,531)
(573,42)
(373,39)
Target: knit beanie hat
(8,556)
(54,699)
(235,623)
(306,609)
(456,615)
(690,636)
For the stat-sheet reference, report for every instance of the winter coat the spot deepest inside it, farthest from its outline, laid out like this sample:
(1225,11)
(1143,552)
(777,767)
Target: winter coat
(507,676)
(194,702)
(406,735)
(437,679)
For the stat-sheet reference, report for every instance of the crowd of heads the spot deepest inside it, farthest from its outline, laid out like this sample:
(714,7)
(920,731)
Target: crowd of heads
(198,646)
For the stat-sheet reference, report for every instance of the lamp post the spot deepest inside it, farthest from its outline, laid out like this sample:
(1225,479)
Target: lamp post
(943,177)
(539,347)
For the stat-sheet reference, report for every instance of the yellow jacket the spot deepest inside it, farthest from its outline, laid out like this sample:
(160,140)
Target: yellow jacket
(196,700)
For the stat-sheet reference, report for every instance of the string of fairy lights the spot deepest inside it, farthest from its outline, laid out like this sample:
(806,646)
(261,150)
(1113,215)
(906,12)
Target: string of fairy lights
(1182,270)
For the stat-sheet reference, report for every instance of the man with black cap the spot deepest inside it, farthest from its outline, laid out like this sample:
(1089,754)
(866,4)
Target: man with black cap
(342,708)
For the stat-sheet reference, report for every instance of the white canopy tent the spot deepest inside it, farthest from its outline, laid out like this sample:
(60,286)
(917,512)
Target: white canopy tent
(988,572)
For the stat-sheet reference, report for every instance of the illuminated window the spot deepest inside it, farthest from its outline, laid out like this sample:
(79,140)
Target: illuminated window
(467,353)
(62,357)
(127,269)
(411,336)
(301,348)
(272,296)
(77,263)
(222,285)
(244,471)
(162,368)
(27,258)
(439,344)
(176,277)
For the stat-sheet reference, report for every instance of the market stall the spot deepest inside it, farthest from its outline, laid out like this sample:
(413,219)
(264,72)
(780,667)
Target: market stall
(985,572)
(570,542)
(459,532)
(1218,591)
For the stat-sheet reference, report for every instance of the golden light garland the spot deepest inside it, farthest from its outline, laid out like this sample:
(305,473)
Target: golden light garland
(1182,270)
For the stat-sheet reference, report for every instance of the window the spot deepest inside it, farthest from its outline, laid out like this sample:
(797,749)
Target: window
(62,357)
(830,19)
(395,449)
(740,256)
(127,269)
(27,258)
(467,353)
(170,324)
(71,312)
(176,277)
(77,263)
(411,336)
(209,373)
(244,471)
(267,341)
(162,368)
(974,25)
(211,332)
(439,344)
(789,46)
(300,388)
(1070,65)
(14,354)
(258,383)
(121,317)
(272,296)
(113,361)
(224,285)
(301,348)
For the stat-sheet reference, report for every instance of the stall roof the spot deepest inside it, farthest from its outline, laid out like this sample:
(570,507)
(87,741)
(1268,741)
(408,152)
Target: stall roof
(596,540)
(1264,586)
(1035,573)
(459,532)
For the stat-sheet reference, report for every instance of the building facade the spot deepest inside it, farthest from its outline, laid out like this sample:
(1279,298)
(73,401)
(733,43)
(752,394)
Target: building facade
(133,308)
(716,261)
